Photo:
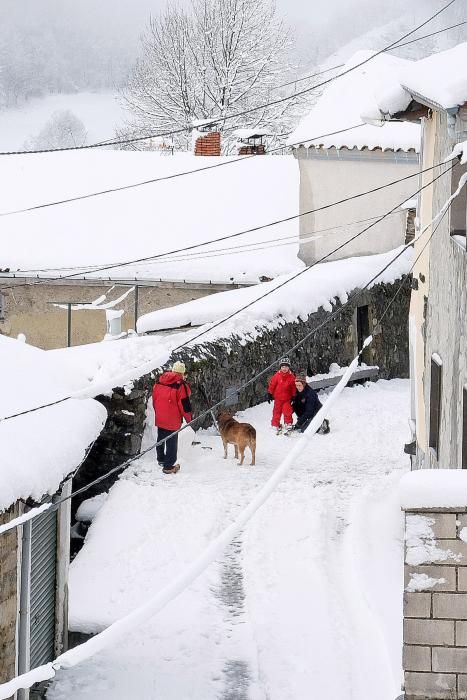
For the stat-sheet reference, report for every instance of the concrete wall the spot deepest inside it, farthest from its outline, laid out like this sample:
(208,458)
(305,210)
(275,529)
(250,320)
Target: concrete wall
(9,603)
(28,311)
(446,319)
(328,175)
(435,619)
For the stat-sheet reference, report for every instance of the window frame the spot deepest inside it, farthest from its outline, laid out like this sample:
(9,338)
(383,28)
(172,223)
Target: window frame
(436,385)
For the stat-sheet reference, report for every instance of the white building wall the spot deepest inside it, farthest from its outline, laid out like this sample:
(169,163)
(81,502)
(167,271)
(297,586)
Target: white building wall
(329,175)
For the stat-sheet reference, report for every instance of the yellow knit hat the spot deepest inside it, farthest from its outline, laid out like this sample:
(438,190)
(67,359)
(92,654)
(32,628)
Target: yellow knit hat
(179,367)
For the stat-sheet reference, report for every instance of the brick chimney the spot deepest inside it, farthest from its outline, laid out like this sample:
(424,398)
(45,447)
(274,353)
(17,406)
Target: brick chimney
(208,144)
(251,142)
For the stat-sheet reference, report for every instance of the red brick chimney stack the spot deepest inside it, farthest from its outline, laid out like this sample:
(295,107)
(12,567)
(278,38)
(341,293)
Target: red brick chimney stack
(208,144)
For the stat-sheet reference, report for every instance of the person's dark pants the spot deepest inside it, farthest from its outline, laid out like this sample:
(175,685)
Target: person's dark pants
(303,426)
(167,452)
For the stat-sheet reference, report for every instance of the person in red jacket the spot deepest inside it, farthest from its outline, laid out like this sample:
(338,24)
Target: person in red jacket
(282,389)
(171,401)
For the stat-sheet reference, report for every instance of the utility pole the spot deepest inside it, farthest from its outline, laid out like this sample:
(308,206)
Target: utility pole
(136,304)
(69,307)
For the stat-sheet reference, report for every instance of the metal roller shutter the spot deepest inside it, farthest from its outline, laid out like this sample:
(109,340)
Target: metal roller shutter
(43,577)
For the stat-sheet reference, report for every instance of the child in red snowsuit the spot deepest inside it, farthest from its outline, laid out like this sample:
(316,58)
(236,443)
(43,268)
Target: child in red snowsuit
(282,389)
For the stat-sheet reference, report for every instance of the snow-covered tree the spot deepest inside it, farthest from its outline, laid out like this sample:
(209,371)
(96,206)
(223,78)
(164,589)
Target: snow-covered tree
(217,58)
(64,129)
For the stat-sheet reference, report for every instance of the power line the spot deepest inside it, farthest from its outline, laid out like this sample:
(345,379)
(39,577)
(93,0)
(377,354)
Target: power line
(340,65)
(238,311)
(211,552)
(216,252)
(320,260)
(312,332)
(221,238)
(113,142)
(161,179)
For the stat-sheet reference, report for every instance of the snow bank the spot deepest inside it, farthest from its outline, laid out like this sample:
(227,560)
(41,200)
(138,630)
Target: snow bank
(434,488)
(316,288)
(152,219)
(89,508)
(41,448)
(342,103)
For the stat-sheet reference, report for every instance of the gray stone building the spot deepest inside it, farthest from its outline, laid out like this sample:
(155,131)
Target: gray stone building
(435,651)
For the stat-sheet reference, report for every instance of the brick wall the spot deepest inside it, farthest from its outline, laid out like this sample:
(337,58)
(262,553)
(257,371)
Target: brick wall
(8,597)
(435,618)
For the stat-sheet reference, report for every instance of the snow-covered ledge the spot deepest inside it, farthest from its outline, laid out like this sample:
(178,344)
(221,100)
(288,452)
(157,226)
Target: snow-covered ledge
(435,585)
(435,490)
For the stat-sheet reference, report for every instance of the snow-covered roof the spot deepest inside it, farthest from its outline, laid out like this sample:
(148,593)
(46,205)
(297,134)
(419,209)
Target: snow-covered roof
(304,295)
(439,80)
(152,219)
(344,100)
(116,363)
(39,449)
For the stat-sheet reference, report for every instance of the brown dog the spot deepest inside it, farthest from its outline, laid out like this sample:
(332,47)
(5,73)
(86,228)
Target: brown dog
(239,434)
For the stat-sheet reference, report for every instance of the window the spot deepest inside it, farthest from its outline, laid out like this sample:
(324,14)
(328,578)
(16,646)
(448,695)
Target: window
(435,402)
(363,330)
(459,207)
(464,430)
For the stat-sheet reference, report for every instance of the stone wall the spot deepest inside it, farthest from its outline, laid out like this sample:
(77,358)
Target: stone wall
(435,618)
(8,596)
(213,368)
(27,309)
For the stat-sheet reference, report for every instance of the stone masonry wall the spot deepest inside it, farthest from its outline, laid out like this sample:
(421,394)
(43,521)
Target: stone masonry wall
(8,597)
(213,368)
(435,618)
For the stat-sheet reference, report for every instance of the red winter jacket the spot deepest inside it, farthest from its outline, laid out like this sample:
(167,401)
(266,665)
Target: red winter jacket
(171,401)
(282,386)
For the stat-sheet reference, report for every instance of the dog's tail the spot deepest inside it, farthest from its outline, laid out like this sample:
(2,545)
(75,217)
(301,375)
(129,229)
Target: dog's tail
(251,433)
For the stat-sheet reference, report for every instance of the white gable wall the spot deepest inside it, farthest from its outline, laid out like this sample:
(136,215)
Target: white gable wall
(329,175)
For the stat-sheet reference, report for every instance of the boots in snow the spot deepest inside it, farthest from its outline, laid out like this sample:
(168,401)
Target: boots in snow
(171,470)
(324,427)
(288,429)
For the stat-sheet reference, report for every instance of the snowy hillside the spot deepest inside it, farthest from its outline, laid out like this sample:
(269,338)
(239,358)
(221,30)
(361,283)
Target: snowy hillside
(100,113)
(380,36)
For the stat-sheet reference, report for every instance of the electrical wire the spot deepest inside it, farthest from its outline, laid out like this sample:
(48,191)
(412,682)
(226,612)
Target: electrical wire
(238,311)
(218,252)
(340,65)
(152,181)
(114,142)
(267,369)
(219,239)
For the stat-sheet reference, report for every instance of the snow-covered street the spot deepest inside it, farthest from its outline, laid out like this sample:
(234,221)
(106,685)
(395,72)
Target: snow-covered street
(305,604)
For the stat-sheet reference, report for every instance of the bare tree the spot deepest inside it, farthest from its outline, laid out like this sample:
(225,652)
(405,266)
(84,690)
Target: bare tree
(218,58)
(63,130)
